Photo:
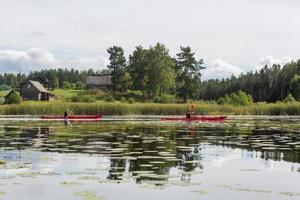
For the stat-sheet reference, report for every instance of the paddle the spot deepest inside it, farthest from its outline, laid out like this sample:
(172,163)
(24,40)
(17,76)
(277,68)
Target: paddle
(69,123)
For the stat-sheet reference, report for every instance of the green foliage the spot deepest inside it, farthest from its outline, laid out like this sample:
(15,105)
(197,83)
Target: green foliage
(270,84)
(109,98)
(239,98)
(289,99)
(131,100)
(188,73)
(153,70)
(83,98)
(79,86)
(4,87)
(117,68)
(13,98)
(67,85)
(165,99)
(295,87)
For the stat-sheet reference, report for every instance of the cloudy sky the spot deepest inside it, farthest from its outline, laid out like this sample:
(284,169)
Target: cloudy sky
(232,36)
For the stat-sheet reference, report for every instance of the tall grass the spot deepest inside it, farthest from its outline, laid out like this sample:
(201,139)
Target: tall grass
(117,108)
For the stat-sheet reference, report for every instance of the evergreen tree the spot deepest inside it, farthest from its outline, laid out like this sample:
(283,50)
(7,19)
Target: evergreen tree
(188,71)
(117,67)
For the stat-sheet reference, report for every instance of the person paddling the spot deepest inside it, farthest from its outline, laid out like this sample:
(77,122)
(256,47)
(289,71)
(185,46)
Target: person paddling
(66,114)
(190,112)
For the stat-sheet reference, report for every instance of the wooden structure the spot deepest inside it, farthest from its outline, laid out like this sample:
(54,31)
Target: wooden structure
(34,90)
(99,82)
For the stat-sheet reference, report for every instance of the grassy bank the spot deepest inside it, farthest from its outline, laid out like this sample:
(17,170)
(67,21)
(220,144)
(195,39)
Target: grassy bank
(116,108)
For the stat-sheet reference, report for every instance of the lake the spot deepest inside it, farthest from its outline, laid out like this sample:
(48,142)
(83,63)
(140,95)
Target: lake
(144,158)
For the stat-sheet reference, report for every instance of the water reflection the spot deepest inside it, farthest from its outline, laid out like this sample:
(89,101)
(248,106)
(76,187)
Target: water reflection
(148,151)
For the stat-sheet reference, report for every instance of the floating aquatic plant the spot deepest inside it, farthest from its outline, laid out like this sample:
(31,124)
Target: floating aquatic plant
(2,162)
(292,194)
(70,183)
(88,195)
(202,192)
(250,190)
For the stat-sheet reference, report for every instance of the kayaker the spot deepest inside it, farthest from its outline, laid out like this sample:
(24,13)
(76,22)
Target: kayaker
(66,114)
(190,112)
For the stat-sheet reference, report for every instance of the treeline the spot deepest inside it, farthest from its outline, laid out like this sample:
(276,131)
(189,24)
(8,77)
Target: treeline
(152,72)
(270,84)
(155,74)
(50,78)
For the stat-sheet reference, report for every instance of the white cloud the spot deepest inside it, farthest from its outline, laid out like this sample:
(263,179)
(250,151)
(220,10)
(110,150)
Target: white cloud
(270,60)
(218,69)
(37,59)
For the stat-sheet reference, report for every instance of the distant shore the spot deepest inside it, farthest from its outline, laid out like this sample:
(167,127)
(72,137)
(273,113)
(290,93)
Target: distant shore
(119,108)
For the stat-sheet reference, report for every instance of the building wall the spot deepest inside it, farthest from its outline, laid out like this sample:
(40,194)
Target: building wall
(29,92)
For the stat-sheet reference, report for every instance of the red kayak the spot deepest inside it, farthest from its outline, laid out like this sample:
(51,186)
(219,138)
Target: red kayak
(73,117)
(195,118)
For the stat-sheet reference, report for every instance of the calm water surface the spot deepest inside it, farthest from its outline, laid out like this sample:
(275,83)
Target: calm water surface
(249,158)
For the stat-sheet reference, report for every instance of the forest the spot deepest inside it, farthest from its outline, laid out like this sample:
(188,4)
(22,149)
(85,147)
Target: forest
(154,73)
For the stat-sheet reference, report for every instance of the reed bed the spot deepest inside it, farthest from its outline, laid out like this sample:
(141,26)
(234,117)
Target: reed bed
(117,108)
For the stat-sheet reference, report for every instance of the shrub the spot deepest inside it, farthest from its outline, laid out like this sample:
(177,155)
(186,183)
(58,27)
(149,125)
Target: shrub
(289,98)
(239,98)
(109,98)
(4,87)
(83,98)
(123,99)
(131,100)
(165,99)
(14,98)
(79,86)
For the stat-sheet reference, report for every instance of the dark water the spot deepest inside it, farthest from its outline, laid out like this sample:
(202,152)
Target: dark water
(250,158)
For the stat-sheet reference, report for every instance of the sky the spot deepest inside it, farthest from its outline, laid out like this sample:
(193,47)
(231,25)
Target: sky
(232,36)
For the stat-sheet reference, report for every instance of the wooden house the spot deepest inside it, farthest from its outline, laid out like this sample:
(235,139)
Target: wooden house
(34,90)
(99,82)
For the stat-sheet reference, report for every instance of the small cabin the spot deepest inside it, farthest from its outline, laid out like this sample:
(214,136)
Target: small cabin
(34,90)
(99,82)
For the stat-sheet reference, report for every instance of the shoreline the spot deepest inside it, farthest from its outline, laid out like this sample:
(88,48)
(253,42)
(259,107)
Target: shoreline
(147,109)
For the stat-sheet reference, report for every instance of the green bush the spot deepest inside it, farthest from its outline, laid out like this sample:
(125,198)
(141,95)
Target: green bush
(109,98)
(239,98)
(131,100)
(289,98)
(83,98)
(4,87)
(79,86)
(123,99)
(164,99)
(14,98)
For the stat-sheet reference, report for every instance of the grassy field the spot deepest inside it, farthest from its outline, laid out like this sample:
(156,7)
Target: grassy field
(117,108)
(65,94)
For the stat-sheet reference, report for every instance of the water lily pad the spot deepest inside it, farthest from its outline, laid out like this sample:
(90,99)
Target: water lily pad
(250,190)
(88,195)
(202,192)
(184,183)
(292,194)
(2,162)
(70,183)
